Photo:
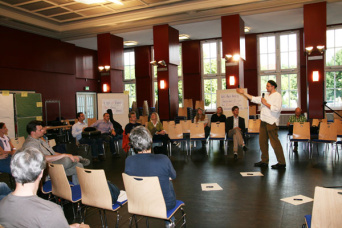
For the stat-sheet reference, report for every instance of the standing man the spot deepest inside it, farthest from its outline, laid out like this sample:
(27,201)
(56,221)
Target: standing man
(218,116)
(270,111)
(69,162)
(23,208)
(76,132)
(235,127)
(107,134)
(297,117)
(146,164)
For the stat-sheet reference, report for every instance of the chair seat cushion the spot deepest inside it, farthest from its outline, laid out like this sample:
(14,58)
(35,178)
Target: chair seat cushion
(47,187)
(308,220)
(117,205)
(170,212)
(76,193)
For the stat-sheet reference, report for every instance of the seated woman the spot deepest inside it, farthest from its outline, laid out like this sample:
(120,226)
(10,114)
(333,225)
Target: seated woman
(6,149)
(156,129)
(202,118)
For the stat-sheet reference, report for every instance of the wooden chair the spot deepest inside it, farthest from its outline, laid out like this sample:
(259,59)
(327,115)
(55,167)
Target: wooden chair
(326,210)
(176,134)
(217,132)
(338,124)
(142,120)
(96,193)
(18,142)
(91,121)
(197,133)
(188,103)
(301,133)
(166,125)
(327,134)
(199,104)
(182,111)
(145,198)
(185,126)
(254,126)
(61,187)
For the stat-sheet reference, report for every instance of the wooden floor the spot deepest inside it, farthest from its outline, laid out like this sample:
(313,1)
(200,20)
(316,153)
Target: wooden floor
(244,201)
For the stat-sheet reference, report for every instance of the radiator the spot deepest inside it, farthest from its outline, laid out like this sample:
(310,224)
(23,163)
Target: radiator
(284,118)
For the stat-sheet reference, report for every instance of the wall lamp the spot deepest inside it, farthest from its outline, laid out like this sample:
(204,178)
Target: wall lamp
(159,63)
(315,76)
(231,80)
(235,57)
(104,68)
(319,48)
(162,84)
(105,88)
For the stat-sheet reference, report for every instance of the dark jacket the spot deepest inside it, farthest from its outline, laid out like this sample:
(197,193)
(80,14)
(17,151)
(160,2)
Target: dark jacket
(215,118)
(230,124)
(117,127)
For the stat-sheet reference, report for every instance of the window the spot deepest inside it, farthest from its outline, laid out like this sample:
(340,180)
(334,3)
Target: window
(213,72)
(333,68)
(129,75)
(278,60)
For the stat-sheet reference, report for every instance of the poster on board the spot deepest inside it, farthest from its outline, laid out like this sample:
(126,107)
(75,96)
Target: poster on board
(7,113)
(229,98)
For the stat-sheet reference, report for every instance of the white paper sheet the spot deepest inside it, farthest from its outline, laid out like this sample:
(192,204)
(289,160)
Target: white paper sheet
(297,200)
(7,113)
(251,174)
(211,187)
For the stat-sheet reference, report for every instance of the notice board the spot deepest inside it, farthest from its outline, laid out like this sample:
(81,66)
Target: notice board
(117,102)
(229,98)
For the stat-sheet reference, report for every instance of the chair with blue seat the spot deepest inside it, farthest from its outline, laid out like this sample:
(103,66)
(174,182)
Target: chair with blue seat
(175,133)
(197,133)
(253,127)
(301,133)
(145,198)
(327,135)
(96,193)
(217,132)
(326,210)
(62,189)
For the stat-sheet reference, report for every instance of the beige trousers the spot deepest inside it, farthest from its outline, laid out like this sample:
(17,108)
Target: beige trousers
(237,138)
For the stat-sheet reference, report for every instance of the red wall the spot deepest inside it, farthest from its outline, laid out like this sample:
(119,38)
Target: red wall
(47,66)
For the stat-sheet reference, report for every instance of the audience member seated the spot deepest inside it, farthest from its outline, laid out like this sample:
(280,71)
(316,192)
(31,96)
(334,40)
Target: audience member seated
(132,123)
(23,208)
(218,116)
(6,149)
(107,134)
(4,190)
(94,143)
(157,131)
(235,127)
(147,164)
(202,118)
(297,117)
(35,131)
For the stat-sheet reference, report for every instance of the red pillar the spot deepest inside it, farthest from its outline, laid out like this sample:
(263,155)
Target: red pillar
(315,25)
(233,42)
(166,47)
(143,75)
(110,53)
(191,53)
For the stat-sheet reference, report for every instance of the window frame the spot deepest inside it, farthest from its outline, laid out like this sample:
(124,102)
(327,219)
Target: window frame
(131,80)
(278,72)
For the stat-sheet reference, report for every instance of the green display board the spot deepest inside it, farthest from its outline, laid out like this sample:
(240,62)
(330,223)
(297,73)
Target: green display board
(28,107)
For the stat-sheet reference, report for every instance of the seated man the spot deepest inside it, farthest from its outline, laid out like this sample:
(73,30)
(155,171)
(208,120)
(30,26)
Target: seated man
(147,164)
(235,127)
(218,116)
(27,168)
(4,190)
(107,134)
(76,132)
(132,123)
(35,131)
(297,117)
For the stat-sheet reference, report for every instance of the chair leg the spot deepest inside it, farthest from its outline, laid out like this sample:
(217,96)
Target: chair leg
(84,214)
(101,216)
(184,217)
(117,219)
(147,225)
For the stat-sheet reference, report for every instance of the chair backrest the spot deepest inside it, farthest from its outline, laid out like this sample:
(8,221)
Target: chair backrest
(18,142)
(327,206)
(254,125)
(182,111)
(218,130)
(324,120)
(252,110)
(185,125)
(143,120)
(91,121)
(144,196)
(59,181)
(197,130)
(52,142)
(94,188)
(175,131)
(338,124)
(315,122)
(166,125)
(336,116)
(301,130)
(199,104)
(188,103)
(327,131)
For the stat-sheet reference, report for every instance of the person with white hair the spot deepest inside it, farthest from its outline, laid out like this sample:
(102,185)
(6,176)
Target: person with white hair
(27,167)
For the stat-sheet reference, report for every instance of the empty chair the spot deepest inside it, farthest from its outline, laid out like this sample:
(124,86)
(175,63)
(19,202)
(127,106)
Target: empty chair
(327,134)
(166,125)
(182,111)
(253,127)
(217,132)
(61,187)
(96,193)
(197,133)
(145,198)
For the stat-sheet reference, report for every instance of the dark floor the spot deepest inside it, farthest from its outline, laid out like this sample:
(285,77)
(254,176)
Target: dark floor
(244,201)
